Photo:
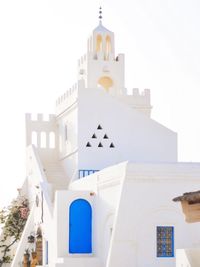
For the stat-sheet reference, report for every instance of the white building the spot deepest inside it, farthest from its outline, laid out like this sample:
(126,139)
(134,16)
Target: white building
(103,173)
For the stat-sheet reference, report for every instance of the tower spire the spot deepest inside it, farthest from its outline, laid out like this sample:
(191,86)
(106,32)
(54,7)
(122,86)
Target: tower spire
(100,14)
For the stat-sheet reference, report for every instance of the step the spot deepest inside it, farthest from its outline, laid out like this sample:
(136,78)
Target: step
(79,261)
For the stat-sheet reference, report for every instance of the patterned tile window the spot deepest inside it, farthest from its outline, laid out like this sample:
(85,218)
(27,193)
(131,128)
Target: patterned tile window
(165,241)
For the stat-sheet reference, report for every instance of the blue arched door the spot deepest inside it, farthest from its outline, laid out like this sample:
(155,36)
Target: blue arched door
(80,227)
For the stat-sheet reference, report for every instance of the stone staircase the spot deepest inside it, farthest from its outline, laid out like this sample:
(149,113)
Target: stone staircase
(56,177)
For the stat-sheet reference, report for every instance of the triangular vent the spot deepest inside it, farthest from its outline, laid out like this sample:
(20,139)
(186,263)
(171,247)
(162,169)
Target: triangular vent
(88,144)
(105,136)
(103,139)
(111,145)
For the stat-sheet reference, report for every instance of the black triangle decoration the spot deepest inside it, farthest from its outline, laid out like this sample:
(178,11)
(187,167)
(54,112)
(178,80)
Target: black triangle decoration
(88,144)
(105,136)
(99,127)
(111,145)
(94,136)
(100,145)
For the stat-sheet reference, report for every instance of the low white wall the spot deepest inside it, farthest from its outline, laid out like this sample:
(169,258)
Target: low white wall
(188,257)
(78,262)
(36,176)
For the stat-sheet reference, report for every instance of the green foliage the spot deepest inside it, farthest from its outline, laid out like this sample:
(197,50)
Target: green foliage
(7,259)
(13,218)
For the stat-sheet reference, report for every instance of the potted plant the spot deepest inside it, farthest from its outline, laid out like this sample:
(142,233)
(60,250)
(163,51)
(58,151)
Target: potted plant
(31,239)
(26,261)
(39,237)
(34,260)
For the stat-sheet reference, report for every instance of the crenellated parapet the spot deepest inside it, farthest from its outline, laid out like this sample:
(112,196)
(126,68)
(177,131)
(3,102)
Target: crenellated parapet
(41,132)
(99,56)
(141,98)
(82,60)
(67,95)
(138,100)
(69,98)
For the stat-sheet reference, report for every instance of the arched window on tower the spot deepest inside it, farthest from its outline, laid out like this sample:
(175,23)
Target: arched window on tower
(80,227)
(99,43)
(34,138)
(43,140)
(108,47)
(52,141)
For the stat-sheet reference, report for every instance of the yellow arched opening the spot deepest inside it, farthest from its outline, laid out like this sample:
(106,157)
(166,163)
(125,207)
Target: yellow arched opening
(99,44)
(108,46)
(106,82)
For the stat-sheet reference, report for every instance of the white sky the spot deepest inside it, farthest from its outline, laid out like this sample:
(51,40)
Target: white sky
(41,41)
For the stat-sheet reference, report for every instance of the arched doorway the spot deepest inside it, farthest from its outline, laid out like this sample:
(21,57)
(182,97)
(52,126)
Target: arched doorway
(80,227)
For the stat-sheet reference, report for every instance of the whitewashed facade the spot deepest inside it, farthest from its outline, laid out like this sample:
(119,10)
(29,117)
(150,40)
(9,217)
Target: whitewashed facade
(102,150)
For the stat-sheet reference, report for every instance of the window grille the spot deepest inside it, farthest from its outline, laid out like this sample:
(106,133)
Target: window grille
(83,173)
(165,241)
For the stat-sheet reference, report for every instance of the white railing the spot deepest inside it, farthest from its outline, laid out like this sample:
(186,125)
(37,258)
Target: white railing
(38,173)
(40,177)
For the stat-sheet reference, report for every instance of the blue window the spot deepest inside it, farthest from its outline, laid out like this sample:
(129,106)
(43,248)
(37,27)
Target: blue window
(80,227)
(165,241)
(83,173)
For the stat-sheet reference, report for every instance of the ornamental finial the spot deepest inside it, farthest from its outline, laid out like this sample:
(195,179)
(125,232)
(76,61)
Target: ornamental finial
(100,14)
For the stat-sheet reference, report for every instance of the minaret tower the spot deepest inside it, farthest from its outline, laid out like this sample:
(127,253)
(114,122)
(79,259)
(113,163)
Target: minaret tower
(96,116)
(99,67)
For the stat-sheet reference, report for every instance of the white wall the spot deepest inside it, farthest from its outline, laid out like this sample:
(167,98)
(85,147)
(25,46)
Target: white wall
(134,135)
(68,140)
(112,68)
(128,202)
(146,202)
(133,200)
(107,187)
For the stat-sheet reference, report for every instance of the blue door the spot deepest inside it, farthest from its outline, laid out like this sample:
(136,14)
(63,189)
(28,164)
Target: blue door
(80,227)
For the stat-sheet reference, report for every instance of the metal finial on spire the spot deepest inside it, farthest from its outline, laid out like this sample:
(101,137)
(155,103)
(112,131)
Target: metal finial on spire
(100,13)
